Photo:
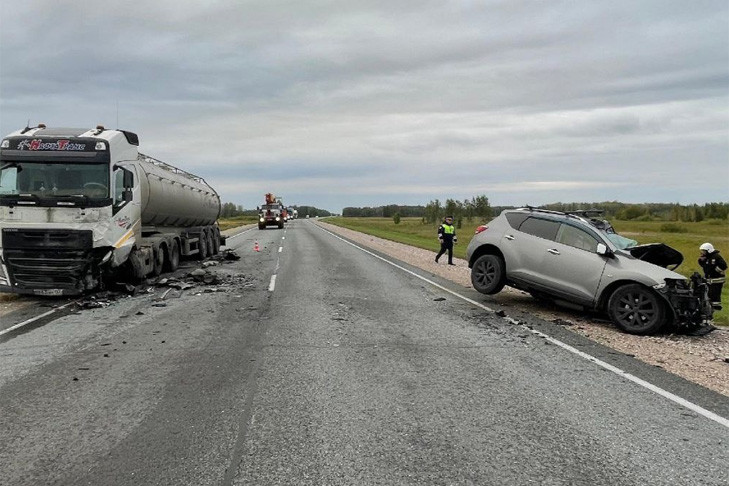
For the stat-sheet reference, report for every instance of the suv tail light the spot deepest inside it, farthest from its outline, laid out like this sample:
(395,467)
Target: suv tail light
(481,229)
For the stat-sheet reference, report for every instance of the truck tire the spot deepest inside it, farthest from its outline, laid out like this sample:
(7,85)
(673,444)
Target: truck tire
(173,257)
(216,241)
(202,246)
(261,226)
(211,242)
(636,309)
(280,225)
(135,267)
(159,261)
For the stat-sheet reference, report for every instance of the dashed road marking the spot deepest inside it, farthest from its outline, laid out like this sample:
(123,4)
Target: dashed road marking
(272,285)
(638,381)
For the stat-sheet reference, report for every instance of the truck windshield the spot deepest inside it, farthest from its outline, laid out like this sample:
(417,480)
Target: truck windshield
(54,180)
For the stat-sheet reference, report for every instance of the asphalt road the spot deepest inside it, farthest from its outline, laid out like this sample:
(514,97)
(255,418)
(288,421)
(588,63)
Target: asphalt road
(314,362)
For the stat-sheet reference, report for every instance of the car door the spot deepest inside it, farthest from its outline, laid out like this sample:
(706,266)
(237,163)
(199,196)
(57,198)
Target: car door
(572,264)
(525,249)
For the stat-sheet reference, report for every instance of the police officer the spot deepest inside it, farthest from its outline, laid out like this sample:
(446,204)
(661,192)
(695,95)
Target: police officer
(714,270)
(447,236)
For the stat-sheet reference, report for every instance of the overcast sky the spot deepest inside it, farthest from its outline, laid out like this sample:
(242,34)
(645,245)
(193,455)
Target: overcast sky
(364,103)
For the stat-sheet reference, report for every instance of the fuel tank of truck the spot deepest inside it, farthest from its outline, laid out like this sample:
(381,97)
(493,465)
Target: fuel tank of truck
(173,197)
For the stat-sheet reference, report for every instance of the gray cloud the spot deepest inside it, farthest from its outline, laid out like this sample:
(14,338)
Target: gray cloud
(367,103)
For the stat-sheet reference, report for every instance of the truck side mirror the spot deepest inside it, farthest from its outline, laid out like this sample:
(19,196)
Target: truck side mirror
(128,179)
(127,195)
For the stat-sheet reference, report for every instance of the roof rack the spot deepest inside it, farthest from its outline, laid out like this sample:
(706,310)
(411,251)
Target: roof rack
(587,212)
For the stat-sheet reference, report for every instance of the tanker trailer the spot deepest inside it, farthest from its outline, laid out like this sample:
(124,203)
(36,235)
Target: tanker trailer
(78,204)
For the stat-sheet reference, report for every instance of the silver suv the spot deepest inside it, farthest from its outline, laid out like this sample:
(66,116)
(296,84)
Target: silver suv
(576,258)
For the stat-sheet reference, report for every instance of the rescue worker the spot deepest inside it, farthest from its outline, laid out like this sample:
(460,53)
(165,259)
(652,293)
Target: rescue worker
(714,270)
(447,236)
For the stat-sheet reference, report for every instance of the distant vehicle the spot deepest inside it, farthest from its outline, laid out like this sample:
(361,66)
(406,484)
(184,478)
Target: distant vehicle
(307,216)
(272,213)
(78,204)
(578,259)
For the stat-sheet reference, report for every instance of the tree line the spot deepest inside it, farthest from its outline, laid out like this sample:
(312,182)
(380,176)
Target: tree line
(478,207)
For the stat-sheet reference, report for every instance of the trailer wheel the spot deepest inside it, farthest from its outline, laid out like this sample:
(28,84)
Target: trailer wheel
(216,241)
(159,260)
(202,246)
(211,243)
(173,257)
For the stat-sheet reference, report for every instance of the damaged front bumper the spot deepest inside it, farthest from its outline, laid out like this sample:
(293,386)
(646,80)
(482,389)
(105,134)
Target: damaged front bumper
(50,262)
(688,300)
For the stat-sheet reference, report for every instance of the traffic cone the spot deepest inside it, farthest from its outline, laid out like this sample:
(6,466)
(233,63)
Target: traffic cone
(256,247)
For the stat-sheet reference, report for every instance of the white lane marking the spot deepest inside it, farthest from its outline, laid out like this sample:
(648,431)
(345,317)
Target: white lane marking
(660,391)
(237,235)
(283,237)
(272,285)
(33,319)
(280,249)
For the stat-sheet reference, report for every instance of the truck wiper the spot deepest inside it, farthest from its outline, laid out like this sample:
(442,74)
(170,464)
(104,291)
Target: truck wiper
(14,199)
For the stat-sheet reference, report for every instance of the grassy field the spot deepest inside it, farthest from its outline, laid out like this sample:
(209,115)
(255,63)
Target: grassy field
(684,237)
(228,223)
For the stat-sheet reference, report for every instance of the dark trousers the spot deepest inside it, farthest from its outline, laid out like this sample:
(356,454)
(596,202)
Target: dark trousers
(446,246)
(715,292)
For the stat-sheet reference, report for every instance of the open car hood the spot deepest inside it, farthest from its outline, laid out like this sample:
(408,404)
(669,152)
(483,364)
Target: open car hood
(658,254)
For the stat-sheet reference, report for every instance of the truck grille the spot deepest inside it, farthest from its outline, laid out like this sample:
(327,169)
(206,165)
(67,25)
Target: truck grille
(46,259)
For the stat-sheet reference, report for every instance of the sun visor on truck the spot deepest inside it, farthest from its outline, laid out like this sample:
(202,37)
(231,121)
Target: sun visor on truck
(658,254)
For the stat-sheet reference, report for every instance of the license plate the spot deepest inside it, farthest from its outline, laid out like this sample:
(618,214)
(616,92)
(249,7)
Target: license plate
(48,292)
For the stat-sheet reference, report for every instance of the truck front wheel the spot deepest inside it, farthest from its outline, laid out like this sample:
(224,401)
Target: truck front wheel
(158,261)
(173,257)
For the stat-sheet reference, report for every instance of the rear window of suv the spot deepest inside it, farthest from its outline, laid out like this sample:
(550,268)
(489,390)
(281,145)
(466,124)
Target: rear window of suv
(516,219)
(543,228)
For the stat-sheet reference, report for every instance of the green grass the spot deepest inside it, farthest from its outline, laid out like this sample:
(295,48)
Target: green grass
(228,223)
(684,237)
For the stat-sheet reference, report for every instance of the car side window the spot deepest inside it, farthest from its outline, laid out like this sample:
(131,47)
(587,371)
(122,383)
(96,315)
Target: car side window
(543,228)
(576,237)
(515,219)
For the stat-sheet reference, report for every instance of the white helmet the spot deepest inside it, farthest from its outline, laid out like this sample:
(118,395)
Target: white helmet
(708,247)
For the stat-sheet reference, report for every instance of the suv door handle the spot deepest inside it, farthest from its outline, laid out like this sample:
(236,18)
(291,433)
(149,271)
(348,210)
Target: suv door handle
(509,237)
(553,251)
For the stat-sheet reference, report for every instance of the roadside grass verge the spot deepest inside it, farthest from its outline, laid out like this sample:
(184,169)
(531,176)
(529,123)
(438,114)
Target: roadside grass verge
(683,236)
(227,223)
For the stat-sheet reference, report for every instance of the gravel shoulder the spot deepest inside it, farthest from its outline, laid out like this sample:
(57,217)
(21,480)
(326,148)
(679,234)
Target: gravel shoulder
(702,360)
